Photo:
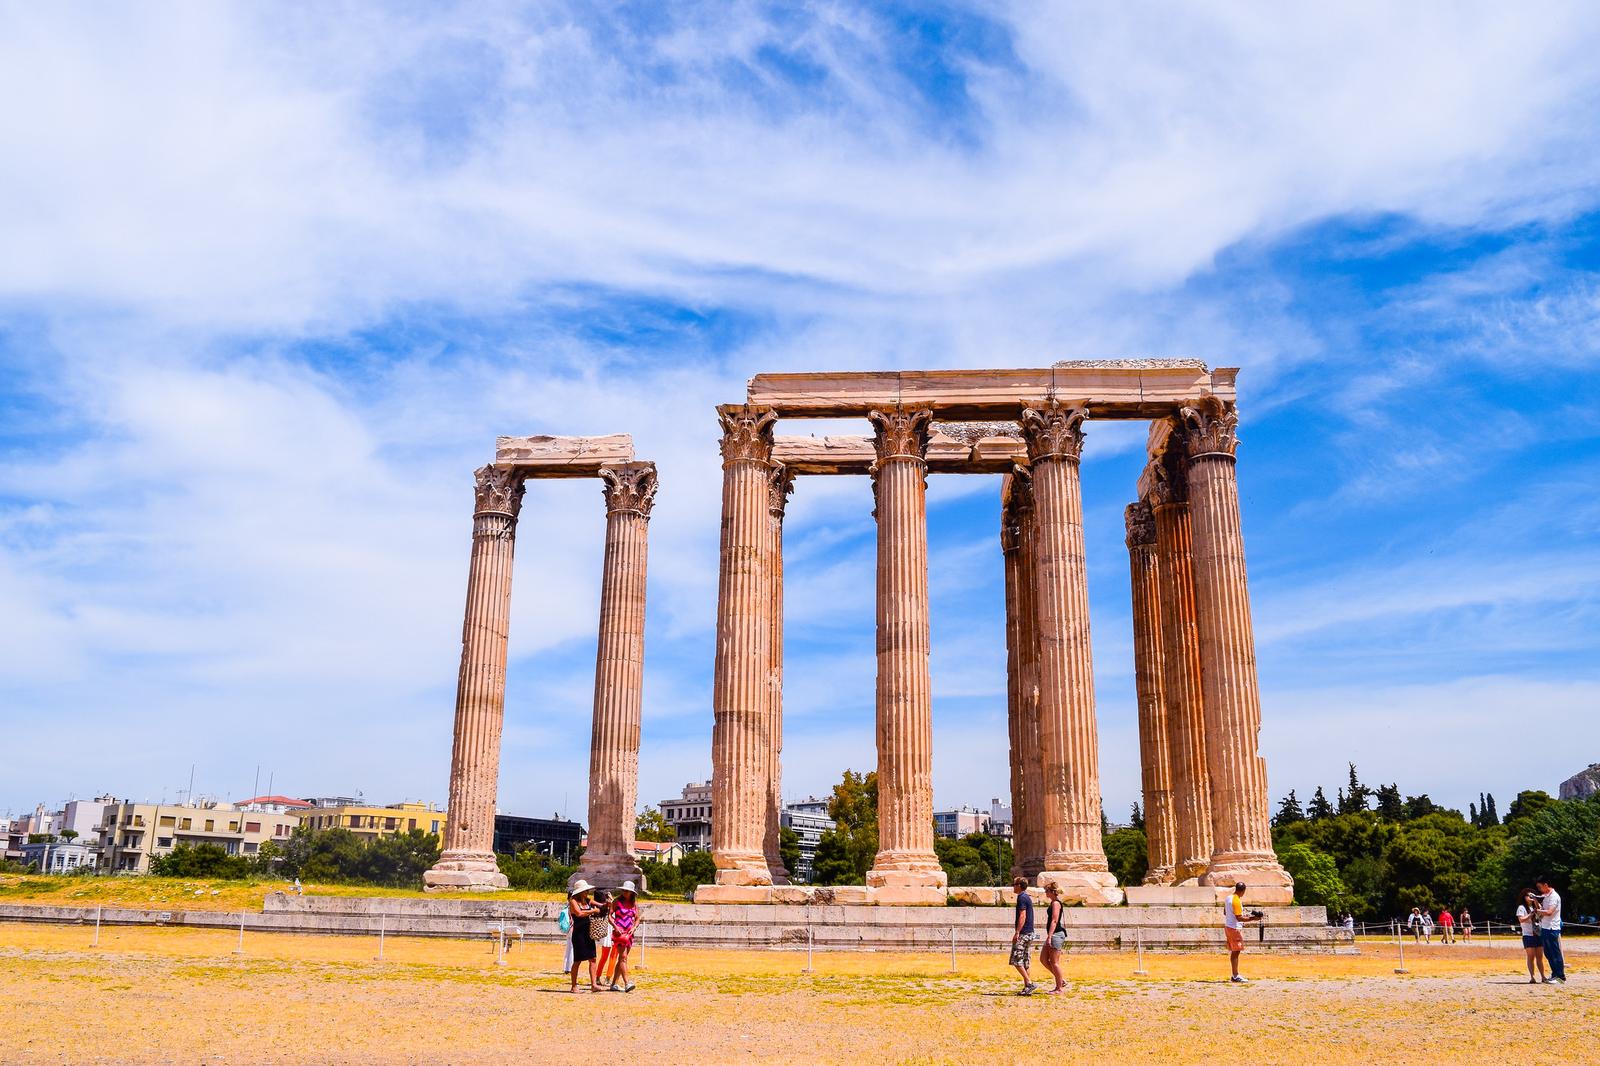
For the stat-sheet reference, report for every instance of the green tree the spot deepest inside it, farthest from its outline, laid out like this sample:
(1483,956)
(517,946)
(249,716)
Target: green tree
(845,852)
(397,860)
(529,869)
(789,848)
(975,859)
(1420,806)
(1316,879)
(1355,797)
(1527,804)
(1561,840)
(200,860)
(1136,817)
(651,824)
(1391,807)
(69,835)
(1319,807)
(697,868)
(1490,818)
(1127,855)
(1289,811)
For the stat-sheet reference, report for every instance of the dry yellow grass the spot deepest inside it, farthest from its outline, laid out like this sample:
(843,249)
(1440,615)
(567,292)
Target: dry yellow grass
(182,996)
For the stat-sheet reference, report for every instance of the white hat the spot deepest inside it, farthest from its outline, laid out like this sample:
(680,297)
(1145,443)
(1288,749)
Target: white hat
(627,886)
(579,887)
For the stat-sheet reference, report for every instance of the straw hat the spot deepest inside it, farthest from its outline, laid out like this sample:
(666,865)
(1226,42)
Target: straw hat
(579,887)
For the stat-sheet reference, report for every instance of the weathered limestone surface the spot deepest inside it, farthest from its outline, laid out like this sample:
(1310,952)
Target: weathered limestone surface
(467,862)
(1022,675)
(905,858)
(1166,485)
(1154,750)
(780,482)
(954,451)
(965,395)
(630,490)
(741,744)
(1240,809)
(1074,858)
(546,456)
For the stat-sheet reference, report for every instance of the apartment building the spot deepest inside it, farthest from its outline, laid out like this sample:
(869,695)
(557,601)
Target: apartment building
(131,834)
(690,816)
(369,822)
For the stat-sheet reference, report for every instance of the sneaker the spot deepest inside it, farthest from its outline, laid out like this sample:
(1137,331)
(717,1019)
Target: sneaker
(1027,990)
(1239,980)
(1558,980)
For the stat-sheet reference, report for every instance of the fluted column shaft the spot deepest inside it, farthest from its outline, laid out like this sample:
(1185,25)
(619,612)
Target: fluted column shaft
(741,744)
(905,858)
(780,482)
(608,860)
(1074,856)
(467,862)
(1181,669)
(1022,676)
(1154,753)
(1240,809)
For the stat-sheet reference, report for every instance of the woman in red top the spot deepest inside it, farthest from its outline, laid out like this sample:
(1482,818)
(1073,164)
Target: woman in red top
(1448,925)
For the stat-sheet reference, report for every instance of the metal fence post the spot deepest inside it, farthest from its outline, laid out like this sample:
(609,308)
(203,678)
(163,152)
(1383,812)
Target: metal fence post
(1138,941)
(97,911)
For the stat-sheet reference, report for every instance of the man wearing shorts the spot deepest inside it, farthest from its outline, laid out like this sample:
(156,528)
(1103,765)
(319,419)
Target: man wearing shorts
(1022,933)
(1233,921)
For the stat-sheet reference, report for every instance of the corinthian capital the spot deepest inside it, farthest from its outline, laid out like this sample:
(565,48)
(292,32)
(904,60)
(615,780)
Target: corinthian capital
(1016,505)
(1167,482)
(629,487)
(780,483)
(1211,427)
(901,433)
(1141,523)
(746,432)
(498,490)
(1054,431)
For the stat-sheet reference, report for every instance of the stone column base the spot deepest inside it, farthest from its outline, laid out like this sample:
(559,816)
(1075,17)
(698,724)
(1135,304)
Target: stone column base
(608,871)
(464,871)
(1265,882)
(743,870)
(1092,889)
(909,874)
(1161,875)
(835,895)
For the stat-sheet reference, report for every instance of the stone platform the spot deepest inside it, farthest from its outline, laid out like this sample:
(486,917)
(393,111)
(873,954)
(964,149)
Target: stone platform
(772,927)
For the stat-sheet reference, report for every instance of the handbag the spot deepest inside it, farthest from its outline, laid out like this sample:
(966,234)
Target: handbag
(599,927)
(564,922)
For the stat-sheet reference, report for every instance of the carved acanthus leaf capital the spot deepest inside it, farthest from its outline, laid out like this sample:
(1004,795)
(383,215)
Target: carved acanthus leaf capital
(1168,481)
(1211,427)
(1141,522)
(498,490)
(746,432)
(901,433)
(629,487)
(780,483)
(1054,431)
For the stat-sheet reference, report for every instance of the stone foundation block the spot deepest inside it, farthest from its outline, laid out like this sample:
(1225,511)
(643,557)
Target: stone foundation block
(733,894)
(977,897)
(908,896)
(840,895)
(793,894)
(1170,896)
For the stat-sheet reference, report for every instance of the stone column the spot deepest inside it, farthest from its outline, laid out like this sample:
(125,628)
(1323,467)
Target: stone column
(780,483)
(1181,687)
(1241,825)
(630,492)
(467,862)
(1074,858)
(1156,773)
(1022,675)
(741,745)
(906,870)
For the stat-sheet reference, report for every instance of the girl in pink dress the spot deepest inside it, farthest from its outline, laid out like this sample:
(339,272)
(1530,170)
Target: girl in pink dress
(624,926)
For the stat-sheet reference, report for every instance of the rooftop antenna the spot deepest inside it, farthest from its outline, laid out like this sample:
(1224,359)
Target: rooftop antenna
(254,789)
(191,784)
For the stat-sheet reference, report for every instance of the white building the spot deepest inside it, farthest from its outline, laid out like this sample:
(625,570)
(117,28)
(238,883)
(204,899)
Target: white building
(809,820)
(690,816)
(960,823)
(59,857)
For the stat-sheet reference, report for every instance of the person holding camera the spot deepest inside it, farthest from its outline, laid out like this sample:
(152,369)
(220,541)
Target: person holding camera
(1234,919)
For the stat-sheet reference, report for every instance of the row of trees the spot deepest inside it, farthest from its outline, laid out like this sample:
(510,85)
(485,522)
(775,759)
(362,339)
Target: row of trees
(327,855)
(1377,854)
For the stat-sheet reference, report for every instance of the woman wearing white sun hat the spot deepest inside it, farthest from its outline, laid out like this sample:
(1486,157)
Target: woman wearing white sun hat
(580,908)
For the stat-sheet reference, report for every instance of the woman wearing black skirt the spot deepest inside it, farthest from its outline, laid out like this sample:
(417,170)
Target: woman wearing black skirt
(580,908)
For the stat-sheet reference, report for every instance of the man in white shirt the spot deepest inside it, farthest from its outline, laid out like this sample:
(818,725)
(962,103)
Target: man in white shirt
(1550,929)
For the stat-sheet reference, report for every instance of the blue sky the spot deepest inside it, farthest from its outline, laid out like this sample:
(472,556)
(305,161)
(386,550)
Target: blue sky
(273,281)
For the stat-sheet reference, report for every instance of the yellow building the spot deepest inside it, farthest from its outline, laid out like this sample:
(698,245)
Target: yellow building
(370,823)
(131,834)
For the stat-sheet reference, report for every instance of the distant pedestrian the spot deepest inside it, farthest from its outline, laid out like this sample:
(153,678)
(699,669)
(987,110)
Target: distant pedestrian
(1414,924)
(1466,924)
(1234,919)
(624,927)
(1550,929)
(1427,926)
(581,908)
(1022,933)
(1055,936)
(1350,923)
(1532,946)
(298,889)
(1447,927)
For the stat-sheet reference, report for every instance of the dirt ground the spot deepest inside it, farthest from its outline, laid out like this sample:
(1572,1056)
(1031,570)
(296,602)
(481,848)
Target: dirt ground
(152,995)
(187,893)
